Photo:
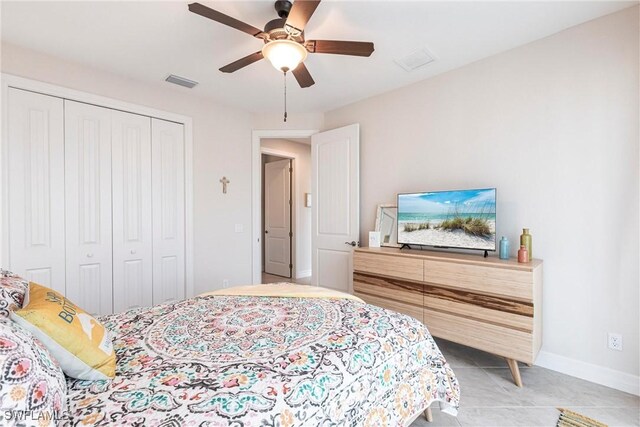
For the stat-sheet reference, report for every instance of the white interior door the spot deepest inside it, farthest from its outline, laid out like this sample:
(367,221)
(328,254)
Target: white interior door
(132,228)
(277,217)
(88,206)
(168,199)
(36,187)
(336,208)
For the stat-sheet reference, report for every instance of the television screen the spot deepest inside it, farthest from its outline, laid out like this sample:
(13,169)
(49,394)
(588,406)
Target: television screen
(451,219)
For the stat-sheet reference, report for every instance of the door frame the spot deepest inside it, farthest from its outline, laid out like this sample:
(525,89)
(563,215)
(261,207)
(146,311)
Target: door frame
(17,82)
(256,193)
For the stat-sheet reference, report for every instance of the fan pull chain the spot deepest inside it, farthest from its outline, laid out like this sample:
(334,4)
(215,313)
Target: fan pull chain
(285,96)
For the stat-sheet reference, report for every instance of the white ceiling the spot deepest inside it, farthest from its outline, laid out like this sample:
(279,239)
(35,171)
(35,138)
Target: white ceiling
(147,40)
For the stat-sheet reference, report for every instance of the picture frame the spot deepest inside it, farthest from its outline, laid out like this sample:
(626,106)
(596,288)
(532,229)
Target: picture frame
(386,224)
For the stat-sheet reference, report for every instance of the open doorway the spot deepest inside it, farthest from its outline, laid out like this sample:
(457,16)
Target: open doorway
(285,213)
(334,204)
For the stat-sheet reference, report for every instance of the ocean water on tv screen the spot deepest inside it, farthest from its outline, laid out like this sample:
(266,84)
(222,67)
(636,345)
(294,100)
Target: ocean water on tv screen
(417,216)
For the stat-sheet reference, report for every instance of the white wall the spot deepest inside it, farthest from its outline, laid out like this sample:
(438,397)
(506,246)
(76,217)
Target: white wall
(302,185)
(554,126)
(272,121)
(221,146)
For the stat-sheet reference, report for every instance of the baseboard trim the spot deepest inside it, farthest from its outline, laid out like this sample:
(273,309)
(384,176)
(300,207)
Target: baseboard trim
(302,274)
(590,372)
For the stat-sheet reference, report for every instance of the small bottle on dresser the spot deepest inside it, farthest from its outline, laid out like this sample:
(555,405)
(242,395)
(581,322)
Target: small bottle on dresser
(523,254)
(504,248)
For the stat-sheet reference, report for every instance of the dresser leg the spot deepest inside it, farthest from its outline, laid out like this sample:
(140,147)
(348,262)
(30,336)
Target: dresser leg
(515,371)
(428,415)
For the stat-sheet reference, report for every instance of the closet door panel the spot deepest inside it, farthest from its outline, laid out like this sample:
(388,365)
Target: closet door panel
(88,206)
(168,211)
(36,187)
(132,219)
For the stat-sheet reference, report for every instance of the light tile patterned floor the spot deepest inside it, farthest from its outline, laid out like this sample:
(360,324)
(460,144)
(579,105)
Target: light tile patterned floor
(489,397)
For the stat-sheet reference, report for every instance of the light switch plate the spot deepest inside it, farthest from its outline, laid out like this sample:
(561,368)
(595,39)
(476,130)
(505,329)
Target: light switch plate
(239,228)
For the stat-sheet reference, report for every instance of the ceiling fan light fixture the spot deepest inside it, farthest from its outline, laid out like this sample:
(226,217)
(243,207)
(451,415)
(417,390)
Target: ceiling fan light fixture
(284,55)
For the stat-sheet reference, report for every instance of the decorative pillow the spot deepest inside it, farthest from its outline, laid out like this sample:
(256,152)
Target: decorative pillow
(79,342)
(33,389)
(12,291)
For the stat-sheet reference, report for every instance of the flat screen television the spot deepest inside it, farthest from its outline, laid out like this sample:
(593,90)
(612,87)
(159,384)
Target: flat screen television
(463,219)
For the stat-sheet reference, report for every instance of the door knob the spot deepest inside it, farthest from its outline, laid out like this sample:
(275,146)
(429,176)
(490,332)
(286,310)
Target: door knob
(266,231)
(133,251)
(89,255)
(353,243)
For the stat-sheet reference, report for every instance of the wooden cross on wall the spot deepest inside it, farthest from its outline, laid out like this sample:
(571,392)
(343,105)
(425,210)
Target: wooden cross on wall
(224,182)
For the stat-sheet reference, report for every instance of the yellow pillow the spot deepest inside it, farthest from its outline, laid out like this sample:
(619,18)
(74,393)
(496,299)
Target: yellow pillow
(78,341)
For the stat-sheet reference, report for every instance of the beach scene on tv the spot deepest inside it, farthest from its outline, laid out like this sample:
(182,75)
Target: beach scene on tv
(461,219)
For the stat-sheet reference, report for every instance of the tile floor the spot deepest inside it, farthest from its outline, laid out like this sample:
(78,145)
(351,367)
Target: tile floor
(489,397)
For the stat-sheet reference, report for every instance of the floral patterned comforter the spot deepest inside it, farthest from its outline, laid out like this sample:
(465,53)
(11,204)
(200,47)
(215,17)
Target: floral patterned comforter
(268,362)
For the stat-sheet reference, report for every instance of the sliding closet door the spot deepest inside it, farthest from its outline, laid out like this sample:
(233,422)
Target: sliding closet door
(88,206)
(36,187)
(132,229)
(167,168)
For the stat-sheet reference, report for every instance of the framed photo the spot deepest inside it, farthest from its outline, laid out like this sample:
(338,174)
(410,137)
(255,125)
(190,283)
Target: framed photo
(386,224)
(374,239)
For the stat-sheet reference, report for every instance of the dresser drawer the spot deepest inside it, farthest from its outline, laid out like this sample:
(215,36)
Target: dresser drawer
(503,341)
(403,291)
(391,266)
(495,281)
(484,308)
(412,310)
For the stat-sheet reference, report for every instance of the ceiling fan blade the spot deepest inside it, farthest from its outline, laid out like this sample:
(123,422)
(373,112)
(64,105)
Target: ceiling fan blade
(207,12)
(243,62)
(299,15)
(301,73)
(340,47)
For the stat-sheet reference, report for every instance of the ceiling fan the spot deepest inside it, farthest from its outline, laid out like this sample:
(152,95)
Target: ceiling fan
(284,39)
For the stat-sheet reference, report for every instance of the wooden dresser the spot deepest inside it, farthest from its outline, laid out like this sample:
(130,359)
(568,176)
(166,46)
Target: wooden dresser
(486,303)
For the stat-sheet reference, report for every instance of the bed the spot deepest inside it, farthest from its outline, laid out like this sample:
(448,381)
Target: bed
(272,359)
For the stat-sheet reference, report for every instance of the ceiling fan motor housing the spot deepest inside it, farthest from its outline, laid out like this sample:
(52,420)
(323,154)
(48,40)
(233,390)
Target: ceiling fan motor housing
(283,7)
(276,31)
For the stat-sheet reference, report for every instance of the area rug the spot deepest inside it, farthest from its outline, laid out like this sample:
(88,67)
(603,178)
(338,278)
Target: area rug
(573,419)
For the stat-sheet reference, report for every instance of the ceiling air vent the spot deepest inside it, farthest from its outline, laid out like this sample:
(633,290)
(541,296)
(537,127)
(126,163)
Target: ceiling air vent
(415,60)
(181,81)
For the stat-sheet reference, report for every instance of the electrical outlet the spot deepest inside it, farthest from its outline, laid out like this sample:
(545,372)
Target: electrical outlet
(615,341)
(225,283)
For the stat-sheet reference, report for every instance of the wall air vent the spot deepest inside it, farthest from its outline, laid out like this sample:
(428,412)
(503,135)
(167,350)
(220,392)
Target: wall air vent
(181,81)
(415,60)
